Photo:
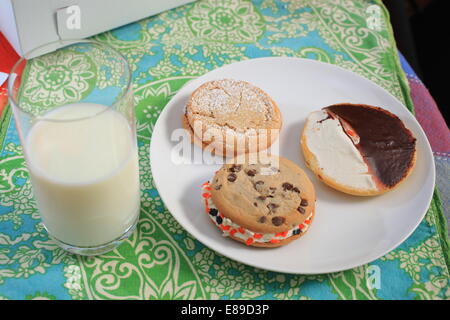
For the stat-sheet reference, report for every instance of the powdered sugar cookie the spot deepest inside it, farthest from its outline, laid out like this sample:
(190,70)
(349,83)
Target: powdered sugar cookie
(230,117)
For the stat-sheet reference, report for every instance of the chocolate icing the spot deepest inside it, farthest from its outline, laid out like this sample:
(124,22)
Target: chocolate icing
(386,145)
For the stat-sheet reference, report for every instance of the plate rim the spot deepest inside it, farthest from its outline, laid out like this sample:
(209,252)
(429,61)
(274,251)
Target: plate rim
(204,240)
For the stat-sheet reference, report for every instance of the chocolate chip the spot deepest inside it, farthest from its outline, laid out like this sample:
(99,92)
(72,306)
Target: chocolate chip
(295,189)
(262,198)
(273,189)
(296,232)
(301,210)
(304,203)
(232,177)
(251,172)
(219,220)
(272,207)
(213,212)
(287,186)
(255,204)
(259,182)
(262,219)
(278,221)
(235,168)
(217,187)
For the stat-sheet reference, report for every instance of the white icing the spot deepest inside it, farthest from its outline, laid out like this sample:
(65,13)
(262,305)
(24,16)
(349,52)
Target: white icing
(335,152)
(266,237)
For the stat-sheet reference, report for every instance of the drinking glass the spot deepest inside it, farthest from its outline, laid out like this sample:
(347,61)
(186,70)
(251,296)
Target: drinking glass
(73,110)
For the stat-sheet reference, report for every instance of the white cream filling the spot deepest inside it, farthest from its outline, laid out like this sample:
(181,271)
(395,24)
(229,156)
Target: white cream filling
(246,234)
(335,152)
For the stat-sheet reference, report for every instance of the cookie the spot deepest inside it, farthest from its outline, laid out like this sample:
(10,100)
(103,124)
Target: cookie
(358,149)
(230,117)
(262,205)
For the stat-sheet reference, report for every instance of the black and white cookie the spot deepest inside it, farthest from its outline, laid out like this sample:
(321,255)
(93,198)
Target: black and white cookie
(358,149)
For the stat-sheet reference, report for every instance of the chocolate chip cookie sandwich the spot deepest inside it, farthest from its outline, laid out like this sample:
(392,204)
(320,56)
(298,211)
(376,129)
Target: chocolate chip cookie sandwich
(230,117)
(358,149)
(261,205)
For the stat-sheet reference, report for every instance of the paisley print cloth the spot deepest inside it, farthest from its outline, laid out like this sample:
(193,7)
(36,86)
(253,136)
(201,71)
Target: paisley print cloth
(162,261)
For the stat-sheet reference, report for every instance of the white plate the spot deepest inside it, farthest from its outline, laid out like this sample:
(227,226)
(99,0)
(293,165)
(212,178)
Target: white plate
(348,231)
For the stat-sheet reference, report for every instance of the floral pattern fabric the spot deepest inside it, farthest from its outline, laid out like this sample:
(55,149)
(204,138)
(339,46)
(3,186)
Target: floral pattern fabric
(161,260)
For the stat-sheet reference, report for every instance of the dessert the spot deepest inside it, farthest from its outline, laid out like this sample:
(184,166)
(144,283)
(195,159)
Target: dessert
(262,205)
(231,117)
(358,149)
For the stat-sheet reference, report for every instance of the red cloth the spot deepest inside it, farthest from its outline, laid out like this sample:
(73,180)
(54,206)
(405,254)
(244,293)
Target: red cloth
(8,57)
(430,118)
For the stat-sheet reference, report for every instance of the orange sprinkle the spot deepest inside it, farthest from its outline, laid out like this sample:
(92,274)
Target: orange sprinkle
(207,188)
(206,184)
(257,235)
(301,226)
(249,241)
(281,234)
(233,231)
(206,195)
(225,228)
(241,230)
(350,133)
(307,221)
(274,241)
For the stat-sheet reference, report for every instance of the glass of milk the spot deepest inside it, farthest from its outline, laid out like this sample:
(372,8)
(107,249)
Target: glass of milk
(74,112)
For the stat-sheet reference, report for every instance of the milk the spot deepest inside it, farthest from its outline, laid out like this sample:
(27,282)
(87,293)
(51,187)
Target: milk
(84,173)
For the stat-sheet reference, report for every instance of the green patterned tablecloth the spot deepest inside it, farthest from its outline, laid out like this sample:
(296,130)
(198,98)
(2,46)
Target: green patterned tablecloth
(162,261)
